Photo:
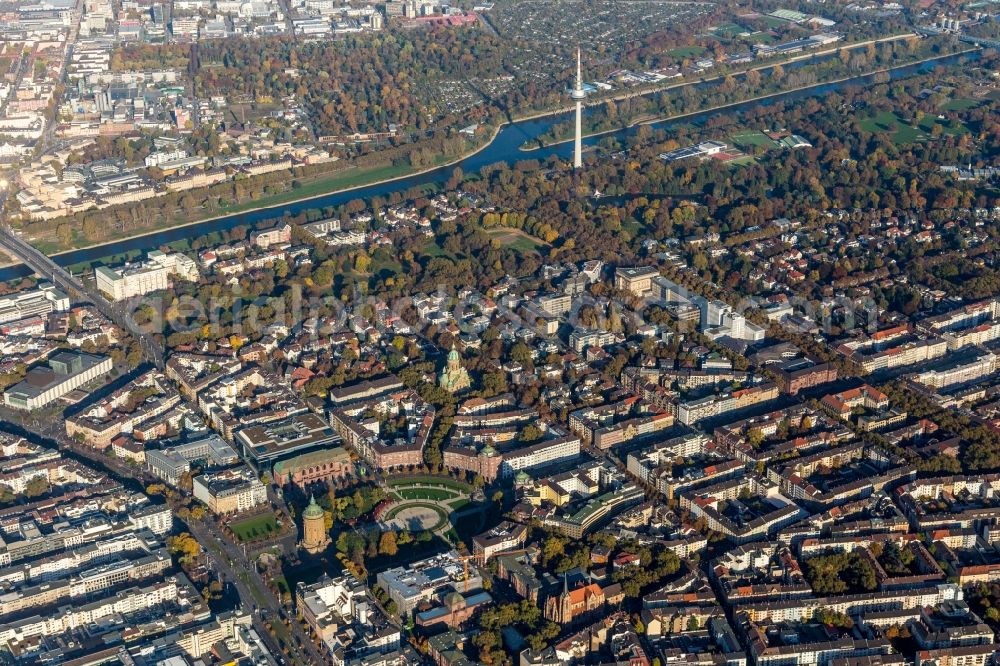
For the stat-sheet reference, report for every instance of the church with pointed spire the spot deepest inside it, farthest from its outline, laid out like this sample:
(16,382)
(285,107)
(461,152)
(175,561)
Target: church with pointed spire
(573,605)
(454,377)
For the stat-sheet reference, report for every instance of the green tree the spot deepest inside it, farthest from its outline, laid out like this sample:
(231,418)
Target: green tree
(530,433)
(387,544)
(37,486)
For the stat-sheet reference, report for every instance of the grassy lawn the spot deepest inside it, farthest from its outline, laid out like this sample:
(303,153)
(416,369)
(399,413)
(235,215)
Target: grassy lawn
(686,51)
(458,504)
(729,30)
(111,260)
(902,133)
(432,249)
(383,264)
(883,122)
(960,104)
(757,20)
(282,583)
(742,161)
(750,139)
(423,480)
(516,239)
(888,122)
(425,493)
(761,38)
(467,524)
(258,594)
(632,227)
(523,245)
(324,184)
(251,528)
(184,244)
(927,124)
(277,627)
(337,181)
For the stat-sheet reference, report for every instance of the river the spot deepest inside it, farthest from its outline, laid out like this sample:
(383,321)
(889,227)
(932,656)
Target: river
(506,147)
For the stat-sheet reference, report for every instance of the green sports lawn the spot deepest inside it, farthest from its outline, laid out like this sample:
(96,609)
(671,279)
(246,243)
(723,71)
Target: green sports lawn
(744,139)
(729,30)
(772,21)
(742,161)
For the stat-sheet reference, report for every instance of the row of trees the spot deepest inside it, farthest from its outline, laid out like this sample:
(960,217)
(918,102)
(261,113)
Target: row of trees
(359,545)
(524,616)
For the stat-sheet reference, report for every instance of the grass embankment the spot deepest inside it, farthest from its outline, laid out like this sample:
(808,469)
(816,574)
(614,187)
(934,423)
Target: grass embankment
(342,180)
(314,187)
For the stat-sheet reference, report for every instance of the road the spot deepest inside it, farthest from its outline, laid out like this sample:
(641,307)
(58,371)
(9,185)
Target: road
(286,8)
(51,122)
(255,596)
(228,560)
(984,42)
(224,557)
(15,246)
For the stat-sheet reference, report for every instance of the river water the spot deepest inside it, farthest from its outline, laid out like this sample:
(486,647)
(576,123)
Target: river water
(506,147)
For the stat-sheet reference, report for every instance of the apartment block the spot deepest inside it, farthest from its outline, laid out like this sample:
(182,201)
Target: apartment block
(145,277)
(230,491)
(32,302)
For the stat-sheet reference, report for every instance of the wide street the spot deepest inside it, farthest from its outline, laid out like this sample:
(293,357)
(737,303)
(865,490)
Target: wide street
(255,596)
(224,557)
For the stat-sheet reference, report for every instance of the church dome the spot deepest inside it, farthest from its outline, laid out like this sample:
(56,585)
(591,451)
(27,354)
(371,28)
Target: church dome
(454,601)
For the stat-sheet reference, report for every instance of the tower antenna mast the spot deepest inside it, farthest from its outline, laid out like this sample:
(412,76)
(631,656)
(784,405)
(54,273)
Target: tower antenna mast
(578,95)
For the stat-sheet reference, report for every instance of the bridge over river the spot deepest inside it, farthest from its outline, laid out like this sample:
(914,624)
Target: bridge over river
(44,267)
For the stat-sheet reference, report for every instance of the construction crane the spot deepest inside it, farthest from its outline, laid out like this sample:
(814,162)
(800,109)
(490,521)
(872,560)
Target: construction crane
(465,563)
(482,562)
